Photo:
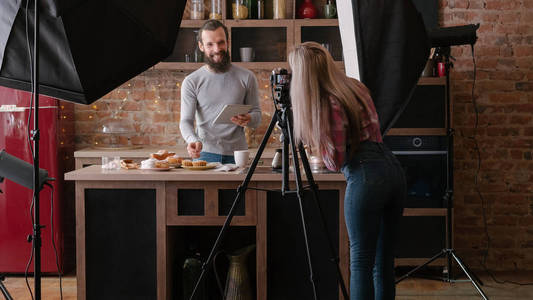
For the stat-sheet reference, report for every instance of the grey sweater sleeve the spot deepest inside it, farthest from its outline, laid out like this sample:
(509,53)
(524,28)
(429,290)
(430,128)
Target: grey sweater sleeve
(188,109)
(252,98)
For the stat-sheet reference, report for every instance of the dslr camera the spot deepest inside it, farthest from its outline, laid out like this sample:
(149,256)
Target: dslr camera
(280,81)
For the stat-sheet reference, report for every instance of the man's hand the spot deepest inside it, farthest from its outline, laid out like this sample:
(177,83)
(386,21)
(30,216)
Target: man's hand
(194,149)
(241,120)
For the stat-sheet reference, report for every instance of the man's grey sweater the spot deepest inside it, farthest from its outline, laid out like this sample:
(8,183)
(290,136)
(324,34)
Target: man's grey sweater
(203,95)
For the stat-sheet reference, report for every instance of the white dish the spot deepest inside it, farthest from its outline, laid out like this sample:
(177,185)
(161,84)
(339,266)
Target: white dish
(155,169)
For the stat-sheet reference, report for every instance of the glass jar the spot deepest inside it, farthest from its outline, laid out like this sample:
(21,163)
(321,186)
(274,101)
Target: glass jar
(216,10)
(260,9)
(198,55)
(197,10)
(240,9)
(279,9)
(251,5)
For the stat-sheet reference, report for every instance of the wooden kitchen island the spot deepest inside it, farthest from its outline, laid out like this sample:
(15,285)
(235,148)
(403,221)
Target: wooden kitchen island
(134,228)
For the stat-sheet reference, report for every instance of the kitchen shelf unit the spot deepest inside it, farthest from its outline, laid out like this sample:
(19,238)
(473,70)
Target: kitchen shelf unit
(423,231)
(271,39)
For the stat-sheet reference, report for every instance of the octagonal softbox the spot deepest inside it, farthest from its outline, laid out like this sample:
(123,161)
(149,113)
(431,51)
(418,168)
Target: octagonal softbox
(87,48)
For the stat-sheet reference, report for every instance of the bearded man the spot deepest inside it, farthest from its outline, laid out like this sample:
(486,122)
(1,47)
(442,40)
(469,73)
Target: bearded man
(207,90)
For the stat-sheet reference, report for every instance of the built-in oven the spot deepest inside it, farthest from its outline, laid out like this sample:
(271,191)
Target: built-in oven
(424,160)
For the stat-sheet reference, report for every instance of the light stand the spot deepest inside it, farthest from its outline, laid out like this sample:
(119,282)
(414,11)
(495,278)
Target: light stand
(467,33)
(283,117)
(35,238)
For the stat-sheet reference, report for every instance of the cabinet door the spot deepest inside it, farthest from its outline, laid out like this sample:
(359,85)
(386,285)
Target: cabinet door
(120,244)
(288,272)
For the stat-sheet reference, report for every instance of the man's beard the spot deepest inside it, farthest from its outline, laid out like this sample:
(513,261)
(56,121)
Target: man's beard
(222,66)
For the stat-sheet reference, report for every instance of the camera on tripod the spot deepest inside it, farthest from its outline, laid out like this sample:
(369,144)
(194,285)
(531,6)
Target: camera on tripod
(280,81)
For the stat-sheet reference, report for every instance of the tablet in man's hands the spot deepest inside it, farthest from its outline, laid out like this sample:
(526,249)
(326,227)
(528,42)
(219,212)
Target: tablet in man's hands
(231,110)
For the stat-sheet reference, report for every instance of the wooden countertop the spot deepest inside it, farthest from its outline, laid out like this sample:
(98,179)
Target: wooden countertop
(146,151)
(95,173)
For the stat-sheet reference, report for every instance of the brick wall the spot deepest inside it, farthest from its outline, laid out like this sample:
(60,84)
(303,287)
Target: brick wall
(504,94)
(149,105)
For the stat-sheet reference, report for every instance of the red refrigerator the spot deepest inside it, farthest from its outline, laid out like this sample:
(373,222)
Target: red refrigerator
(55,125)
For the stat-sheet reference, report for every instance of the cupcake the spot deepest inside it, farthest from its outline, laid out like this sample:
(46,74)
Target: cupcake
(199,163)
(186,163)
(172,160)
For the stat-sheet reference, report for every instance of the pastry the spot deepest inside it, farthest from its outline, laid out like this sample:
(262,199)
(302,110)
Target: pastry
(157,156)
(162,154)
(173,160)
(161,164)
(129,164)
(186,163)
(199,163)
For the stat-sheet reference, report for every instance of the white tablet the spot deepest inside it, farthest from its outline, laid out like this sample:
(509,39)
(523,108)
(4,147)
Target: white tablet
(230,110)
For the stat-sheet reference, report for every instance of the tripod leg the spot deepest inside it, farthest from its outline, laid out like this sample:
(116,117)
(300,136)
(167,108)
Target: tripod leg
(285,184)
(299,193)
(465,270)
(3,289)
(240,194)
(443,252)
(314,188)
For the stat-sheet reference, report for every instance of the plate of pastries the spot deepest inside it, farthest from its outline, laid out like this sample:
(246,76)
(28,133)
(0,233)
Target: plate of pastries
(197,164)
(162,160)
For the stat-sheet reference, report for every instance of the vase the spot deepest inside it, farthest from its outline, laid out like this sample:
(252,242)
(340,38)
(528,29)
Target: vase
(307,10)
(238,285)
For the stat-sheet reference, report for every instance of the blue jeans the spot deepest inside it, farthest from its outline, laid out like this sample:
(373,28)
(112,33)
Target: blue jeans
(373,206)
(214,157)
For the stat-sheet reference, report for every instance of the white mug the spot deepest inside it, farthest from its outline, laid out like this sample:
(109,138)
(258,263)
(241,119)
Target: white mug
(247,54)
(241,158)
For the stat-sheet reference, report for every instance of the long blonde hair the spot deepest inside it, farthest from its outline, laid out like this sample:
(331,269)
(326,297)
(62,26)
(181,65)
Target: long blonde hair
(315,78)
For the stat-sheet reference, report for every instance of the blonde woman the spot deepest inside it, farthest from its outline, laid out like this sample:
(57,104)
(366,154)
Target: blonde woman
(335,114)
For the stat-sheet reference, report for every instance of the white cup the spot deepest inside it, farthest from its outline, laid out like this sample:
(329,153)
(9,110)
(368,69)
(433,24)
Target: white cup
(247,54)
(241,158)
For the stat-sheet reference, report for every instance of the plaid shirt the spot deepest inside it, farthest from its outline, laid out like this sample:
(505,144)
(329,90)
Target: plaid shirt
(335,155)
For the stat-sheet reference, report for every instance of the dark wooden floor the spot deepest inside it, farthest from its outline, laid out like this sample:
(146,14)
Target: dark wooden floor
(409,289)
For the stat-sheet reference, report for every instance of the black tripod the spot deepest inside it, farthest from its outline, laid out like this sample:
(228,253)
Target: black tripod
(283,117)
(449,252)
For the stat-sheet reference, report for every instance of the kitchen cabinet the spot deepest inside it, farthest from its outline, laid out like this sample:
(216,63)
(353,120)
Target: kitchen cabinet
(135,227)
(419,139)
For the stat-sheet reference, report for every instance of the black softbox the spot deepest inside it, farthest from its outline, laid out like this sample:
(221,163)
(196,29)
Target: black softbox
(87,48)
(392,50)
